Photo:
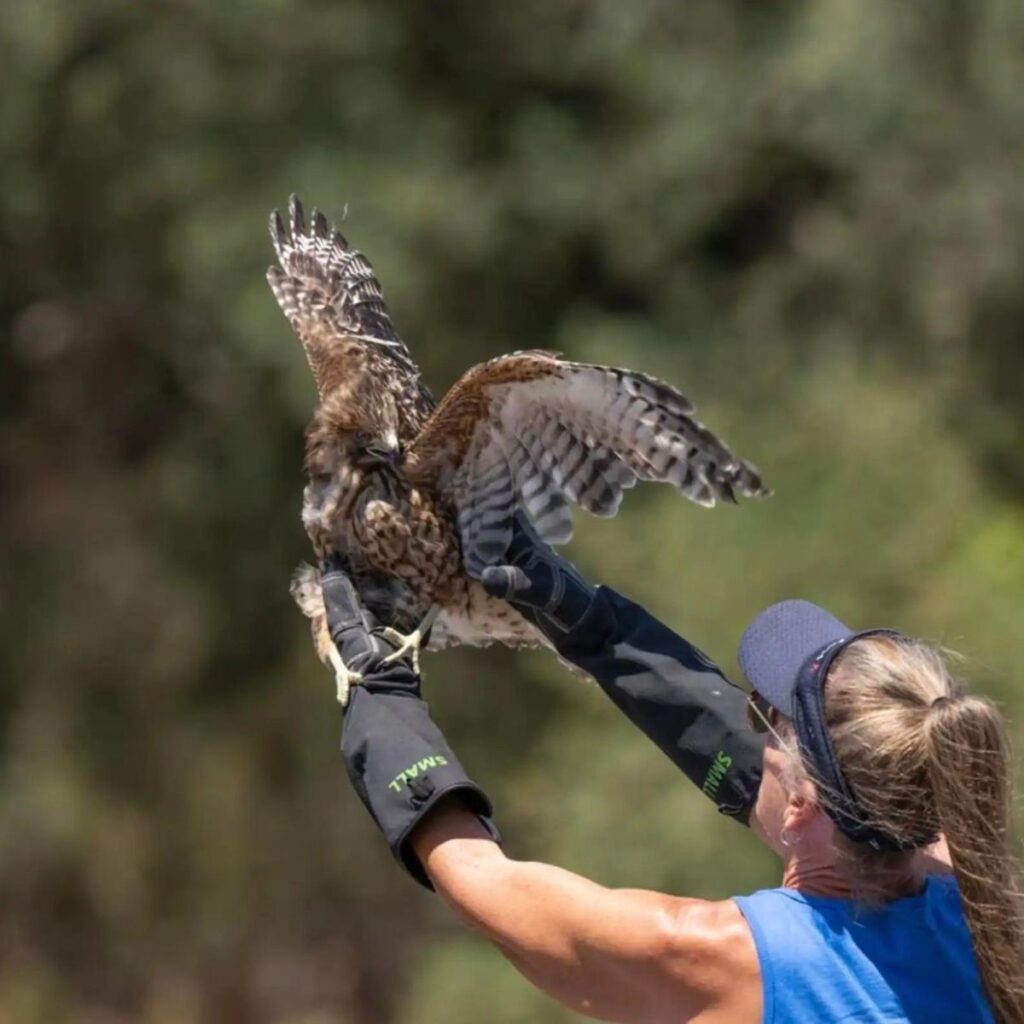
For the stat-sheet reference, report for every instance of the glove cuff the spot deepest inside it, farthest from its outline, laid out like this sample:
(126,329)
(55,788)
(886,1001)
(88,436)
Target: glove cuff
(469,794)
(401,765)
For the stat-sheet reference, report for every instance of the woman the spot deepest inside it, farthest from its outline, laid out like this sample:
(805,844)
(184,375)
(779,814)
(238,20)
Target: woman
(884,790)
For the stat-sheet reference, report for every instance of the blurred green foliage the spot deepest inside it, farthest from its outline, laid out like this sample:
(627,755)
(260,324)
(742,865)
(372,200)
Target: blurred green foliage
(809,216)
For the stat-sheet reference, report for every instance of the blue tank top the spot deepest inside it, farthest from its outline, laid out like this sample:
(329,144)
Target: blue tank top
(908,962)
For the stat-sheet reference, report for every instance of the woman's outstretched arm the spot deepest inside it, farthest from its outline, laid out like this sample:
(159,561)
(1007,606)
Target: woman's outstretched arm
(670,690)
(611,954)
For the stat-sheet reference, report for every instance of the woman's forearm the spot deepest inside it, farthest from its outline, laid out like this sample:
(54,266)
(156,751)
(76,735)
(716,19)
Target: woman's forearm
(674,694)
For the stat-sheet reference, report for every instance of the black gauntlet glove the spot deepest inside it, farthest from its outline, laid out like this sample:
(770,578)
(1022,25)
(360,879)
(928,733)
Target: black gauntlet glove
(663,684)
(398,760)
(541,586)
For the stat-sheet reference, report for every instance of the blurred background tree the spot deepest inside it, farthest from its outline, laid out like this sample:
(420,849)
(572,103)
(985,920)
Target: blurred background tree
(809,216)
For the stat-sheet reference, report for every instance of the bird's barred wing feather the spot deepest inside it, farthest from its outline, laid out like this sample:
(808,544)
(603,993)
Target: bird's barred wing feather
(533,431)
(329,293)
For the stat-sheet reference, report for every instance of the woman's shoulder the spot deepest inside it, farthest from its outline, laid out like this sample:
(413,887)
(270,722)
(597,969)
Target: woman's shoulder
(706,921)
(712,952)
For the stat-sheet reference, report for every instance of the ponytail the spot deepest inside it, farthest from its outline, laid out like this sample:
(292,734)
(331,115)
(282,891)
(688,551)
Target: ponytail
(923,758)
(969,769)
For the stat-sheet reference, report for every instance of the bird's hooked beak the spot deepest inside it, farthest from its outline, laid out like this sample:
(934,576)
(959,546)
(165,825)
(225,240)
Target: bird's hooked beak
(384,450)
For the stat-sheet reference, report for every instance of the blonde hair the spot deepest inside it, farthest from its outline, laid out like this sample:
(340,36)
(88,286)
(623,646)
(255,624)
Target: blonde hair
(922,757)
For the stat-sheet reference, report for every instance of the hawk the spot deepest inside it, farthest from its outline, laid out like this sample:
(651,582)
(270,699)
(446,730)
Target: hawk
(419,496)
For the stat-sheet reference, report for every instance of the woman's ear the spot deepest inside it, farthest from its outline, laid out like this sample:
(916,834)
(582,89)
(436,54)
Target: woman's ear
(802,808)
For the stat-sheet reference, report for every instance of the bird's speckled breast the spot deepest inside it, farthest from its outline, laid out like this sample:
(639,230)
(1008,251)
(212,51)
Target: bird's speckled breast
(383,524)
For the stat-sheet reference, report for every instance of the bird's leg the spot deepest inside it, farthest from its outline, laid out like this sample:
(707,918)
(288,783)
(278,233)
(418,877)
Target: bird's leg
(412,643)
(343,675)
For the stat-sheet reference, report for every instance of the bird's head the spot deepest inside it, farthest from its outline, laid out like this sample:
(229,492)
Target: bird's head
(364,419)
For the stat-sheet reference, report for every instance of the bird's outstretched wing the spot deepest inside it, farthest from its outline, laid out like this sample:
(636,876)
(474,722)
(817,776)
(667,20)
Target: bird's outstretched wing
(532,430)
(330,295)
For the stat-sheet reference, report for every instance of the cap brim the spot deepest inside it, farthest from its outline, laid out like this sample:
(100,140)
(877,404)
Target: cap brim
(779,641)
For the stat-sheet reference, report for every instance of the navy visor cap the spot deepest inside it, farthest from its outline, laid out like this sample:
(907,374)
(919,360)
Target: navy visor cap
(777,645)
(785,654)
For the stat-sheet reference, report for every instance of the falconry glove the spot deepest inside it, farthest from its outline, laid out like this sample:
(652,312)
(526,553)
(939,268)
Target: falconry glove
(541,586)
(668,688)
(397,758)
